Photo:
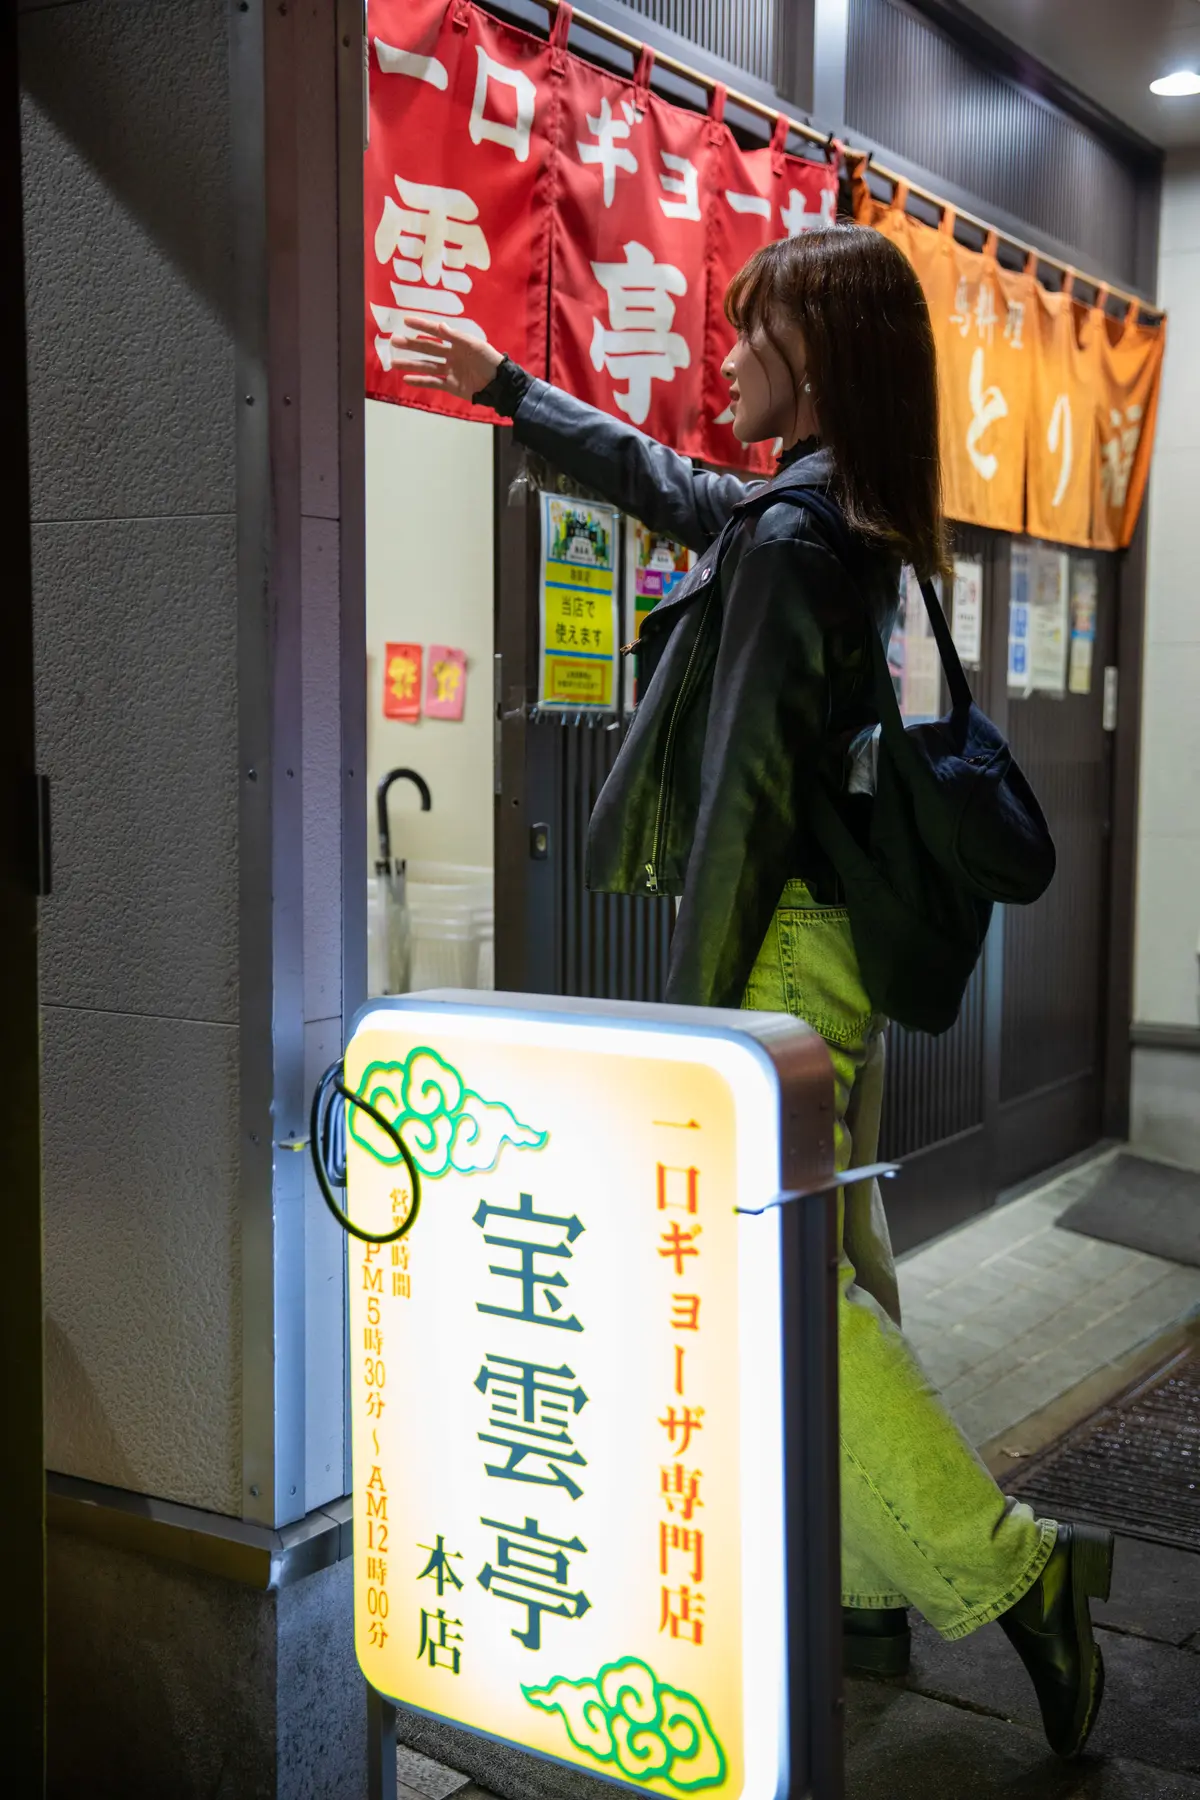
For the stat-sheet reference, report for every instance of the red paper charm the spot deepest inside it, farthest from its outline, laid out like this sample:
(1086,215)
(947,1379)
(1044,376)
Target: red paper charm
(402,682)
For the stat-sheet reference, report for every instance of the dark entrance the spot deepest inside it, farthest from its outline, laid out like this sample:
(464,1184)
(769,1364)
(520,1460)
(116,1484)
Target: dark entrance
(1019,1082)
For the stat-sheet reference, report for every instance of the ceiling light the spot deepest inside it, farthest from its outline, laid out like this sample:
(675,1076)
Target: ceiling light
(1179,82)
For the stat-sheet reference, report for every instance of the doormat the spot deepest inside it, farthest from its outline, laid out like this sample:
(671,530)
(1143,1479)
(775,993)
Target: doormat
(1142,1205)
(1134,1467)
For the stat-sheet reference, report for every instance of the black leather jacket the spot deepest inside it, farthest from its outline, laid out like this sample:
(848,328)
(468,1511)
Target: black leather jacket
(753,674)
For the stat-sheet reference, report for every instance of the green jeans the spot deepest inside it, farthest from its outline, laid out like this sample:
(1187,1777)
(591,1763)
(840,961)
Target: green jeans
(923,1523)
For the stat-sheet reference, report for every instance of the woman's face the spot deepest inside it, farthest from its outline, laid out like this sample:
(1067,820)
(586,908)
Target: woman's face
(763,389)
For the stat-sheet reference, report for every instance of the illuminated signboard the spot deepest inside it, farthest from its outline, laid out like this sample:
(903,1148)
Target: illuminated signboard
(569,1387)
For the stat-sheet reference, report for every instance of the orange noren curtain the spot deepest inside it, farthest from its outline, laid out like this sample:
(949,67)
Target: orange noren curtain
(1047,407)
(1061,449)
(979,313)
(1129,363)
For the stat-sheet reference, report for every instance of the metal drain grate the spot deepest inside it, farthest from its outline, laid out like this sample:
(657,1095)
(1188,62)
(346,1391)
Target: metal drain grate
(1135,1467)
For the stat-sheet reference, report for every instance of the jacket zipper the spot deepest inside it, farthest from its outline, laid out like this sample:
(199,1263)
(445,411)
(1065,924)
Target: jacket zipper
(669,755)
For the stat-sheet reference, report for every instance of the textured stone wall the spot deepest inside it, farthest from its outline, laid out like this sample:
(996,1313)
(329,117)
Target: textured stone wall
(132,419)
(1165,1100)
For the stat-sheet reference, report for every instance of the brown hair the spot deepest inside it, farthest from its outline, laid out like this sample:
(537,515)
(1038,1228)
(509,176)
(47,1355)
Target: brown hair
(873,369)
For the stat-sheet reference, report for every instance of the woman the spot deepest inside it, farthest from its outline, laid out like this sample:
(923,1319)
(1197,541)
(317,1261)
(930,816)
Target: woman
(756,676)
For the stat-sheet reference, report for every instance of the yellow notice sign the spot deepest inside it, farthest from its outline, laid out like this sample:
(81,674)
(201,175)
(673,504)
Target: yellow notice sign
(567,1389)
(578,605)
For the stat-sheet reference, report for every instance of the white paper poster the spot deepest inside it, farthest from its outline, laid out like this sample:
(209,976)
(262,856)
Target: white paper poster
(654,567)
(922,679)
(579,640)
(967,619)
(1048,625)
(913,655)
(1083,625)
(1018,620)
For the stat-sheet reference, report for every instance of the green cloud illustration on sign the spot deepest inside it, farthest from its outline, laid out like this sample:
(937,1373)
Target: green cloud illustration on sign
(627,1717)
(443,1123)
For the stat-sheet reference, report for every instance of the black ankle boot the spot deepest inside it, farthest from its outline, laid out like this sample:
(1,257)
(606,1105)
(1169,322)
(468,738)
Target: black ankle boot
(1050,1628)
(875,1640)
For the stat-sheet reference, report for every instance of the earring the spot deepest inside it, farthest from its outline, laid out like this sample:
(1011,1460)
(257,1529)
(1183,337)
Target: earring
(808,387)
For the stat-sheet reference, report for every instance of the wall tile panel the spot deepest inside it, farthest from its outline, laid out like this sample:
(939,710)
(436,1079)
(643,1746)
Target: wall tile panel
(137,696)
(129,260)
(143,1297)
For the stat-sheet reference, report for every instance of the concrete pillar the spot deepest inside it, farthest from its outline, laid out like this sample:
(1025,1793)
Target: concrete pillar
(195,416)
(1165,1100)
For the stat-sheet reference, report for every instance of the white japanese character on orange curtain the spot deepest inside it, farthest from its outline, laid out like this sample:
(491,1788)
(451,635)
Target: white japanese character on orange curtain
(497,131)
(797,218)
(987,406)
(1117,453)
(1059,432)
(609,149)
(638,346)
(433,239)
(961,316)
(1014,324)
(986,315)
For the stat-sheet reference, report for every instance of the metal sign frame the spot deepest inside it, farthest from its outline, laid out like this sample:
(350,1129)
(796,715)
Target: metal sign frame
(804,1214)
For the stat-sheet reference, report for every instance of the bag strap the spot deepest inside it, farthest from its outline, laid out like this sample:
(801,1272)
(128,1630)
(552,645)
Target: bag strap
(956,678)
(825,508)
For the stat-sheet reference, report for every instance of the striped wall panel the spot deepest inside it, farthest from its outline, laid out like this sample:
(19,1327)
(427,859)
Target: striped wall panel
(611,946)
(741,32)
(976,129)
(1054,951)
(934,1086)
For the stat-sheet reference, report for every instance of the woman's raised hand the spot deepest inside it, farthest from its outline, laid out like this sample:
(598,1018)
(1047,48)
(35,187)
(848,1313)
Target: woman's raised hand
(429,353)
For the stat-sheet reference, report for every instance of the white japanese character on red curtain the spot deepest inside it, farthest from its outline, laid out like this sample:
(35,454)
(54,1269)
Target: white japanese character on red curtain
(433,239)
(749,203)
(515,135)
(609,150)
(638,346)
(496,131)
(394,61)
(684,181)
(797,218)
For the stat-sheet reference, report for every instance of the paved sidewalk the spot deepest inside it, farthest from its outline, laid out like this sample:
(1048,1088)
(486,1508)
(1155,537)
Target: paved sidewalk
(965,1721)
(1008,1312)
(1015,1318)
(420,1779)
